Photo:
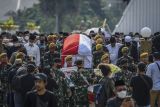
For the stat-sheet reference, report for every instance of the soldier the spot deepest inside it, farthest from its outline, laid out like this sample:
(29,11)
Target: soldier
(2,46)
(51,39)
(131,66)
(13,56)
(125,74)
(68,61)
(4,66)
(98,54)
(106,60)
(50,56)
(144,58)
(132,46)
(81,83)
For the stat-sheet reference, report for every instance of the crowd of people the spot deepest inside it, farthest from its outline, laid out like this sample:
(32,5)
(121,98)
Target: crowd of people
(31,76)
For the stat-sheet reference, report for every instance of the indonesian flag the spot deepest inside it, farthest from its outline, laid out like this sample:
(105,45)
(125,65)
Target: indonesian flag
(78,45)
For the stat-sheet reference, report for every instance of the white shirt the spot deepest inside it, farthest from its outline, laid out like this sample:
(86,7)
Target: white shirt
(113,51)
(154,72)
(33,51)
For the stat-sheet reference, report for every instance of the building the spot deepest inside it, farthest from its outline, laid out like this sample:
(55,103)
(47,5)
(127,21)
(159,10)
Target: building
(139,14)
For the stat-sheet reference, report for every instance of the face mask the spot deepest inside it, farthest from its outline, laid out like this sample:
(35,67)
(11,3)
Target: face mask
(122,94)
(26,38)
(136,39)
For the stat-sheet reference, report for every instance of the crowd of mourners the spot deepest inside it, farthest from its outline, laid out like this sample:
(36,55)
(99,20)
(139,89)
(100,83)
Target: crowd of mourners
(31,76)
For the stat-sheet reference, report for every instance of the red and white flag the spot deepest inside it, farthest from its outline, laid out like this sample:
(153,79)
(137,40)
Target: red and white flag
(77,44)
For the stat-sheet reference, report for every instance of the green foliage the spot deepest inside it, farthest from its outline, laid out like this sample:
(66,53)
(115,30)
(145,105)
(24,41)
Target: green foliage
(72,14)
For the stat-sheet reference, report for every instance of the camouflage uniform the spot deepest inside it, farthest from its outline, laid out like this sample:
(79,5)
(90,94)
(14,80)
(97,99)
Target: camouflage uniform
(49,58)
(81,83)
(97,57)
(4,82)
(131,65)
(125,76)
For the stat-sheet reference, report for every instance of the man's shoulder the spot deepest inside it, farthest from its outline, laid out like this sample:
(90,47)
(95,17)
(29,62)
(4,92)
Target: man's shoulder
(152,64)
(36,46)
(27,44)
(111,101)
(31,93)
(51,94)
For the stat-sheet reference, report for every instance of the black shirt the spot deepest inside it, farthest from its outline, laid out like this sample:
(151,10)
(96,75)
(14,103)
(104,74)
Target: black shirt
(141,89)
(114,102)
(27,83)
(48,99)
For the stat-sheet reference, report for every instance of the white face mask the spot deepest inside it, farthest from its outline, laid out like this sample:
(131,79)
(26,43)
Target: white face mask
(122,94)
(26,37)
(136,39)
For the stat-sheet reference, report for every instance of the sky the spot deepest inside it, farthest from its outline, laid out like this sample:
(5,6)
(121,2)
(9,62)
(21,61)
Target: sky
(7,5)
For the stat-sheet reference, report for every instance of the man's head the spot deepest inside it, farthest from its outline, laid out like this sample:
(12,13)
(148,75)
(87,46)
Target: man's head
(14,38)
(18,62)
(32,38)
(79,63)
(20,55)
(3,58)
(105,69)
(128,41)
(105,58)
(57,63)
(92,33)
(97,37)
(124,64)
(113,41)
(68,60)
(52,47)
(99,47)
(52,39)
(125,51)
(31,68)
(144,57)
(141,67)
(40,81)
(99,41)
(156,56)
(121,89)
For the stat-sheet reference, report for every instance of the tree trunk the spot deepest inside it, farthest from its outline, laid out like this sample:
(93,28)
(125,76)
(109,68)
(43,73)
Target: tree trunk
(58,18)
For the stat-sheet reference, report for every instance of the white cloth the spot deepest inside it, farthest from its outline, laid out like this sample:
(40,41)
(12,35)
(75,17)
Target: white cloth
(113,51)
(33,51)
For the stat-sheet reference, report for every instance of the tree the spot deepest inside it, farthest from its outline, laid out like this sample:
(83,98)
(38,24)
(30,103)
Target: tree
(58,9)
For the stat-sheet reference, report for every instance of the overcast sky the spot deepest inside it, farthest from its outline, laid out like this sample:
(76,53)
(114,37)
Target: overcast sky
(6,5)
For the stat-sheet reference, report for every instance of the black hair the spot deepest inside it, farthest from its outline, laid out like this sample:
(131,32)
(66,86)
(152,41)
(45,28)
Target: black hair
(112,40)
(79,62)
(141,67)
(156,55)
(150,58)
(105,69)
(30,68)
(14,38)
(57,60)
(32,37)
